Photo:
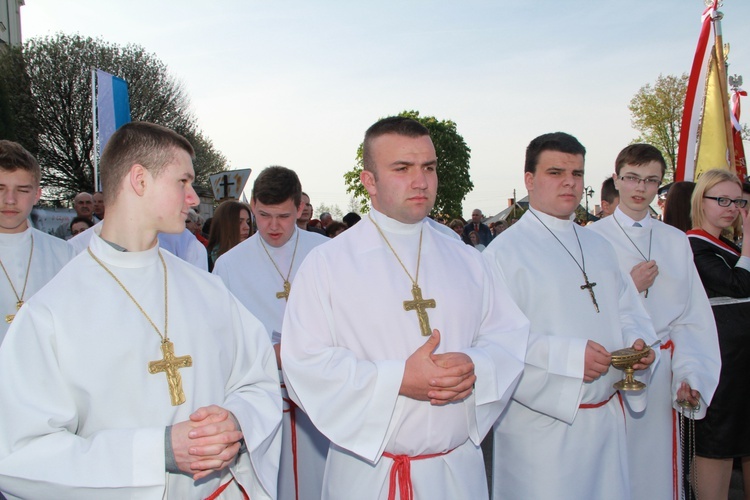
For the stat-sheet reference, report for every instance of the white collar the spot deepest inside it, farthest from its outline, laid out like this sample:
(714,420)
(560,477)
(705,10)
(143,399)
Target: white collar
(13,239)
(626,221)
(109,255)
(553,222)
(392,225)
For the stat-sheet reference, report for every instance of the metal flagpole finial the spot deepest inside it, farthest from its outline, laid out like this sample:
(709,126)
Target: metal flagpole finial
(709,3)
(735,82)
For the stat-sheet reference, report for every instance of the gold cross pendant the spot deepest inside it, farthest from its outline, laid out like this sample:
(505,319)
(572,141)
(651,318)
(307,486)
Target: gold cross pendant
(420,305)
(169,364)
(285,294)
(10,317)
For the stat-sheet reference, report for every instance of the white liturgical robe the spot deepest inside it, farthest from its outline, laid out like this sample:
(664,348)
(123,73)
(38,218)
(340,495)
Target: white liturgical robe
(251,276)
(49,256)
(546,445)
(81,415)
(346,338)
(681,314)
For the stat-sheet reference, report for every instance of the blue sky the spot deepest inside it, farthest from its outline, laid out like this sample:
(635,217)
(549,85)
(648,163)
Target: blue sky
(297,83)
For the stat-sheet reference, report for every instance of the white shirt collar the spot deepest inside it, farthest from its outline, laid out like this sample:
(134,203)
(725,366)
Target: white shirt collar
(553,222)
(626,221)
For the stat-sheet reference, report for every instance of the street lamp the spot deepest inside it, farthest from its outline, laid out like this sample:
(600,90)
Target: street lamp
(589,192)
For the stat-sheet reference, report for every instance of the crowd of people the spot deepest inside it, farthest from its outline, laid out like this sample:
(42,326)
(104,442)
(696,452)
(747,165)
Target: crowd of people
(338,359)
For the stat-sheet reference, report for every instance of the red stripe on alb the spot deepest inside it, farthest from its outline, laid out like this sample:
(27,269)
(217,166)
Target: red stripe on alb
(668,345)
(293,425)
(401,474)
(220,490)
(588,406)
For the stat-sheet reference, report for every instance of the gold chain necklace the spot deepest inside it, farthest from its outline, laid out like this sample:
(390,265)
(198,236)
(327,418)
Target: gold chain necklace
(287,284)
(417,304)
(169,364)
(19,299)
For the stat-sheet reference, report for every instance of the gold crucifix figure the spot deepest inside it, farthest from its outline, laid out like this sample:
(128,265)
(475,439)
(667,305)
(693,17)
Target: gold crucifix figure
(285,294)
(10,317)
(420,305)
(590,286)
(169,364)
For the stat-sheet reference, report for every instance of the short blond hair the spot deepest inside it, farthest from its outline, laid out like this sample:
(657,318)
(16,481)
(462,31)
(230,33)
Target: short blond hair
(706,181)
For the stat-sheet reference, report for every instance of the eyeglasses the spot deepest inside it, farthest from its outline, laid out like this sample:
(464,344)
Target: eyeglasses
(725,202)
(634,181)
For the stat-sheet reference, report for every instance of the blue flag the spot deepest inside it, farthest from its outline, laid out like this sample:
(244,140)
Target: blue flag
(113,105)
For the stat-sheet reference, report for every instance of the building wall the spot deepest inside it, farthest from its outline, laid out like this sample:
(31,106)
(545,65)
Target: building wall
(10,19)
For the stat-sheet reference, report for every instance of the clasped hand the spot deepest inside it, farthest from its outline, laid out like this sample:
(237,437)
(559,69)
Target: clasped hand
(437,378)
(208,442)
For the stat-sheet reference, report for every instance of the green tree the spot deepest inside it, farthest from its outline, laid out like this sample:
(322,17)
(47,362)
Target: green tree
(657,114)
(454,182)
(334,210)
(48,84)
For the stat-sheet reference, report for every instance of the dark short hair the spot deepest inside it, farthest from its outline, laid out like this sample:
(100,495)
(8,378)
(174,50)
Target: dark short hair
(275,185)
(76,220)
(555,141)
(351,218)
(399,125)
(14,157)
(138,143)
(609,191)
(334,227)
(677,206)
(640,154)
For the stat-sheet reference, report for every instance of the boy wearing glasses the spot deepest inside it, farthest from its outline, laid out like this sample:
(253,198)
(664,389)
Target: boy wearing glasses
(659,259)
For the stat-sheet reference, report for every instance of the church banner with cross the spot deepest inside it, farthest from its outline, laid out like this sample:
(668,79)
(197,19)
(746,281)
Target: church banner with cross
(229,185)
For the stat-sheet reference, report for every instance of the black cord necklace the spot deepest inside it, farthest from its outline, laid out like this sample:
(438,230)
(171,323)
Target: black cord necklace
(582,266)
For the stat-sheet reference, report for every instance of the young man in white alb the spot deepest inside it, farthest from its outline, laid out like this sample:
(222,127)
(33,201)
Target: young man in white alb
(260,272)
(658,258)
(168,387)
(29,258)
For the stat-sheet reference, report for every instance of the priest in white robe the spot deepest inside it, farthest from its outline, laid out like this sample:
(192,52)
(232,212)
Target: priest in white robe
(259,272)
(397,341)
(166,389)
(29,257)
(659,260)
(563,434)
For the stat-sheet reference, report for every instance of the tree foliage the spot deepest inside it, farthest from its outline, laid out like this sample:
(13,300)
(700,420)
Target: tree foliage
(48,88)
(454,182)
(334,210)
(657,114)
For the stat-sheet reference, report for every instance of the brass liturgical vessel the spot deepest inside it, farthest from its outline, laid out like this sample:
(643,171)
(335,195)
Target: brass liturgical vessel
(624,359)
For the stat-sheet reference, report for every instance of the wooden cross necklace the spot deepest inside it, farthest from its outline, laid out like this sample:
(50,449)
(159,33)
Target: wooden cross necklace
(19,299)
(588,285)
(169,364)
(650,238)
(287,284)
(417,304)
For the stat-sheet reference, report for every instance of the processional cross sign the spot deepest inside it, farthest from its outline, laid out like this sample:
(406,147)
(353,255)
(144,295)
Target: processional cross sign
(420,305)
(170,364)
(225,184)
